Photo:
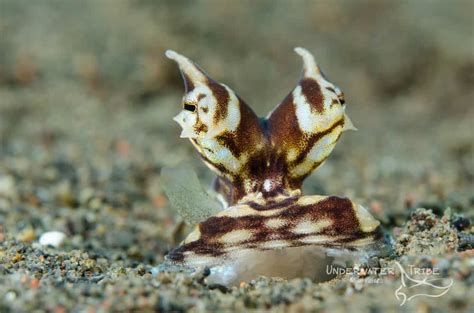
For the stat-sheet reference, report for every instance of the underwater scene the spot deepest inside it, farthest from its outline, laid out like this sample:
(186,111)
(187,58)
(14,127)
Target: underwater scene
(236,156)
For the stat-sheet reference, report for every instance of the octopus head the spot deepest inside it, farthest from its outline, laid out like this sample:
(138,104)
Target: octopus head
(209,108)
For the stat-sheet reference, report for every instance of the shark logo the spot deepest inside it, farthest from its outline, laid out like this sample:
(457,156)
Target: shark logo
(409,283)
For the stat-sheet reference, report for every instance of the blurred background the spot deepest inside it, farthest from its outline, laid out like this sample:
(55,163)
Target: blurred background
(86,105)
(87,99)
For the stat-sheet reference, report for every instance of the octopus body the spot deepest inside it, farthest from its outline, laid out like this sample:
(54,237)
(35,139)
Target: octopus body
(260,165)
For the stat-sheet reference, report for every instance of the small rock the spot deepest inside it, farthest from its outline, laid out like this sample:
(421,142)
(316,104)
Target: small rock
(427,234)
(7,186)
(17,257)
(26,235)
(461,223)
(10,296)
(52,238)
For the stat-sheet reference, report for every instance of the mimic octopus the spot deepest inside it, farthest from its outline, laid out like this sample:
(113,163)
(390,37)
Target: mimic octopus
(260,165)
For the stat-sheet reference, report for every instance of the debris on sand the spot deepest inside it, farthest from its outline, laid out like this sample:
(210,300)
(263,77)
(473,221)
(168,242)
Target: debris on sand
(426,234)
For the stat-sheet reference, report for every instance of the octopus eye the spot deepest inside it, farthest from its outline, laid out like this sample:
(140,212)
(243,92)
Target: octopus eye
(340,96)
(189,106)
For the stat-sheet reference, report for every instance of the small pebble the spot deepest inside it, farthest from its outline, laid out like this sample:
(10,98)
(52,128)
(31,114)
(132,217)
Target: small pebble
(10,296)
(27,235)
(461,223)
(52,238)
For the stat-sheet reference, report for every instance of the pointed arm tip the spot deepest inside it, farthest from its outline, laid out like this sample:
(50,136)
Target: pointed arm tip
(171,54)
(310,67)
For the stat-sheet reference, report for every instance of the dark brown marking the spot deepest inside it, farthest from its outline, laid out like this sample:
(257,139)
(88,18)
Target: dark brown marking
(283,125)
(341,98)
(277,189)
(176,255)
(238,191)
(314,138)
(230,141)
(200,127)
(312,91)
(200,247)
(273,205)
(200,97)
(222,98)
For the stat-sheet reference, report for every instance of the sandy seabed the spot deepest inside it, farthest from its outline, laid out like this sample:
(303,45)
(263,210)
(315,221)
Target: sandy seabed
(86,105)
